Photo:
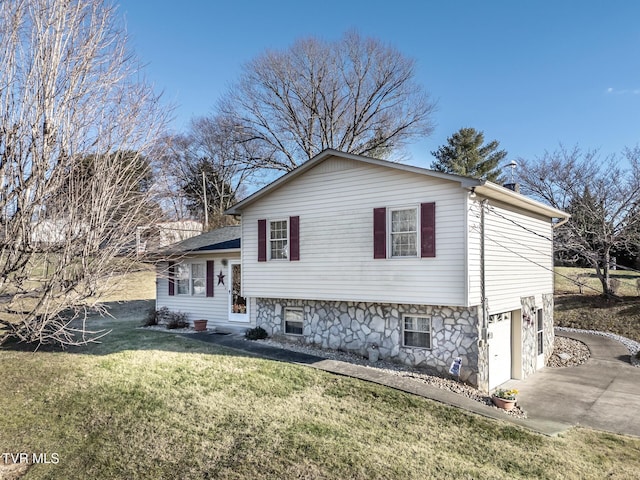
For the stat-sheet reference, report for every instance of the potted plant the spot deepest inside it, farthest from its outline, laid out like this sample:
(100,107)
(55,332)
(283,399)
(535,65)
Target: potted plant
(199,325)
(505,399)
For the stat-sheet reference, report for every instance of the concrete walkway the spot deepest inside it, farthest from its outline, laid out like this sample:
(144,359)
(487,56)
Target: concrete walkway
(603,393)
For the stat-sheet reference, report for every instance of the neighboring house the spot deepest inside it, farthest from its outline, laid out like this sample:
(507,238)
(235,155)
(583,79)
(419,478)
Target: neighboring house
(349,252)
(56,231)
(201,277)
(150,238)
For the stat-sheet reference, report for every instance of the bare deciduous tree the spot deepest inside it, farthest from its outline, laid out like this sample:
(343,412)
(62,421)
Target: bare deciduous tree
(69,92)
(356,95)
(602,196)
(207,147)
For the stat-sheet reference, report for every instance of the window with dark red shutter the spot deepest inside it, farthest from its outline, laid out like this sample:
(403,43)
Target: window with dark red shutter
(379,233)
(294,238)
(428,230)
(262,240)
(172,274)
(210,274)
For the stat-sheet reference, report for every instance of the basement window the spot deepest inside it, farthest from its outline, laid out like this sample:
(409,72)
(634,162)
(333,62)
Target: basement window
(417,331)
(293,319)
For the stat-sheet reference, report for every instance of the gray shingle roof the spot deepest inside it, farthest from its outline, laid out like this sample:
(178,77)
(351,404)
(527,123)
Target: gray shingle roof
(219,239)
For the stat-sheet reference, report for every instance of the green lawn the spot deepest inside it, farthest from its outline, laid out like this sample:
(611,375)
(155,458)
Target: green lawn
(153,405)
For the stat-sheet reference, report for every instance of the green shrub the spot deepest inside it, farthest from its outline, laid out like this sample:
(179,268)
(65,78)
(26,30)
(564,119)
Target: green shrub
(257,333)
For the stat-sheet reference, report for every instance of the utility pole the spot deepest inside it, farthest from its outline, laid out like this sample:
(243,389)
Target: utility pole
(206,207)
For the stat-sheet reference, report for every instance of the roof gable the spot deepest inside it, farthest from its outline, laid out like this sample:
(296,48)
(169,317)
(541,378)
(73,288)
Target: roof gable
(358,159)
(482,187)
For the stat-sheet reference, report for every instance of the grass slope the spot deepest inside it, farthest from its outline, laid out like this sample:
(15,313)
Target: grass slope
(592,312)
(154,405)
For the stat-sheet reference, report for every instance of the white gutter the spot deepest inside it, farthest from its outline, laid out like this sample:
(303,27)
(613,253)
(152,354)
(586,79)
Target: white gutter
(561,222)
(496,192)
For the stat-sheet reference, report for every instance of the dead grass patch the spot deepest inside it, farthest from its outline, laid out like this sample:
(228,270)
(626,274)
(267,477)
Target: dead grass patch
(621,317)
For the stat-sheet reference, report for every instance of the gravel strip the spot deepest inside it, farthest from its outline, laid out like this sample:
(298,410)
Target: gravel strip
(568,352)
(632,345)
(397,369)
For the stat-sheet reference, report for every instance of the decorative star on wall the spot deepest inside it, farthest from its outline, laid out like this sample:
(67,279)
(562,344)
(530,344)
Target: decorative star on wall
(221,278)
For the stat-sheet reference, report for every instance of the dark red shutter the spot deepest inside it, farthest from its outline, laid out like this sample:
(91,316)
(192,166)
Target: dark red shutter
(428,230)
(172,274)
(379,233)
(210,274)
(294,238)
(262,240)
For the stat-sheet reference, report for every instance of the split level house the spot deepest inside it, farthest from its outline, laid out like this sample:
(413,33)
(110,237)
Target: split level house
(354,253)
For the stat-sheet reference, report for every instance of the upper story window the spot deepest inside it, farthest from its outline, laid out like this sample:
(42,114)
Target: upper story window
(404,232)
(278,240)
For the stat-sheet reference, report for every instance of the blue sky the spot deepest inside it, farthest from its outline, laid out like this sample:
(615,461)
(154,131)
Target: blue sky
(530,74)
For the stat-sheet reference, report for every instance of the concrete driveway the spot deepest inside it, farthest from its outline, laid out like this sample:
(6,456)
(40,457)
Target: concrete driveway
(603,393)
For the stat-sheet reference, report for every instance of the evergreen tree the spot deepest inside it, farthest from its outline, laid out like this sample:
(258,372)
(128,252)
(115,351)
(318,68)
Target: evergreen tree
(219,193)
(464,154)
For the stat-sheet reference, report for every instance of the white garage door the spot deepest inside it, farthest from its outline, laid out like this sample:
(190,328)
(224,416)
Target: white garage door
(499,349)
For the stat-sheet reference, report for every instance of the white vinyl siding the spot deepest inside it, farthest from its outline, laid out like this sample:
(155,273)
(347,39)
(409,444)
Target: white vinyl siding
(214,309)
(335,202)
(518,256)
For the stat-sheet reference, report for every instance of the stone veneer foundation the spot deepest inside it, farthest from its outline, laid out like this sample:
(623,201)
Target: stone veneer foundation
(530,332)
(356,326)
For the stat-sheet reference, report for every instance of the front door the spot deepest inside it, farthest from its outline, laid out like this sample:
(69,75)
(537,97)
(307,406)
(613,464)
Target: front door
(238,305)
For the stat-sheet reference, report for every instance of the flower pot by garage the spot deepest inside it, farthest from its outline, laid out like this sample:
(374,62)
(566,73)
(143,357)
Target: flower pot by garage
(199,325)
(503,403)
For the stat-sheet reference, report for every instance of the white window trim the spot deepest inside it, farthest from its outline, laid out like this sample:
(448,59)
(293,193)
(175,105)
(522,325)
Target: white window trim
(539,331)
(418,315)
(390,232)
(178,279)
(269,240)
(190,279)
(284,320)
